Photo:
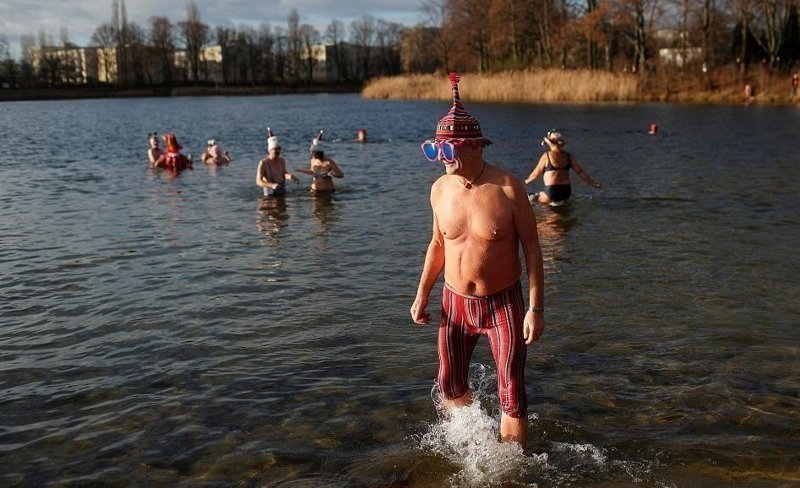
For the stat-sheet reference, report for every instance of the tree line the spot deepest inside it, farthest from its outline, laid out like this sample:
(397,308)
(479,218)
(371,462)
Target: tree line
(495,35)
(464,35)
(146,55)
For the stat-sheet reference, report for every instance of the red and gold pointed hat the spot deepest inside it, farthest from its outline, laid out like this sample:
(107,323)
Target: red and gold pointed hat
(458,124)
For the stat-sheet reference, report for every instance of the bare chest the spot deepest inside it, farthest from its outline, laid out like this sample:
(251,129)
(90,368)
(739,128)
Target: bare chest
(485,219)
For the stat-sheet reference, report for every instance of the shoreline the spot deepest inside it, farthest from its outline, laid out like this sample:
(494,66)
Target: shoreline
(82,93)
(585,87)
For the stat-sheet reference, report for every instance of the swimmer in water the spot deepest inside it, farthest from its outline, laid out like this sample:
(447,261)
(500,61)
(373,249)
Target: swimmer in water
(214,154)
(271,174)
(173,160)
(322,168)
(554,166)
(154,153)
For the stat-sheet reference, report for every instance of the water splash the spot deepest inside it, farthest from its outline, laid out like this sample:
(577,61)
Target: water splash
(469,437)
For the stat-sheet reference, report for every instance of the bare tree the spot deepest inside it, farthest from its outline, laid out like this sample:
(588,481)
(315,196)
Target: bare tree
(387,37)
(7,63)
(362,33)
(141,69)
(104,38)
(266,41)
(252,52)
(294,43)
(744,11)
(195,35)
(162,38)
(119,22)
(334,35)
(280,51)
(437,13)
(310,37)
(771,22)
(26,72)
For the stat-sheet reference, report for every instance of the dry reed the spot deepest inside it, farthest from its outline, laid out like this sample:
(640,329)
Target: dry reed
(511,86)
(552,86)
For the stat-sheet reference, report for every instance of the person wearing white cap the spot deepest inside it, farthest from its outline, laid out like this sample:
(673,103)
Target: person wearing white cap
(271,174)
(553,167)
(154,153)
(214,154)
(323,169)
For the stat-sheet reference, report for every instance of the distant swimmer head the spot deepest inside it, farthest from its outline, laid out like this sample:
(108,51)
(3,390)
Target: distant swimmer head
(272,140)
(211,142)
(554,138)
(153,138)
(361,136)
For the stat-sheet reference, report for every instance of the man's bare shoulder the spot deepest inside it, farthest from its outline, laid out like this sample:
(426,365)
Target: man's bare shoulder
(504,178)
(439,184)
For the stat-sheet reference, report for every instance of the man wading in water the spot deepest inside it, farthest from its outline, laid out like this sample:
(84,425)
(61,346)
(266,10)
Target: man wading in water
(481,215)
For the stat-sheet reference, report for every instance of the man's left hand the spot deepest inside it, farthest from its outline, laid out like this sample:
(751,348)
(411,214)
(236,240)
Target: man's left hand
(533,327)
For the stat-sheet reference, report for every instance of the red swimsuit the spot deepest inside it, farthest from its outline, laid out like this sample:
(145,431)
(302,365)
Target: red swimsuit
(175,161)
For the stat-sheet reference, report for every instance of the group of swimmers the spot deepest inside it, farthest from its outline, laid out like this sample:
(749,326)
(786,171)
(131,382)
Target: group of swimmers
(172,159)
(271,174)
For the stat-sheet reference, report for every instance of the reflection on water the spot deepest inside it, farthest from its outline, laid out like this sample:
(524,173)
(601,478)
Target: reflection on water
(553,224)
(324,210)
(272,215)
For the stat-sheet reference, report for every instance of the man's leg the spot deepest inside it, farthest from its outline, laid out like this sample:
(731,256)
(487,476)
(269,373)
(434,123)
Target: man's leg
(456,343)
(509,351)
(461,401)
(514,430)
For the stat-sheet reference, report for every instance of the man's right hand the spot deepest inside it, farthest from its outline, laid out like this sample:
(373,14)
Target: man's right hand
(418,313)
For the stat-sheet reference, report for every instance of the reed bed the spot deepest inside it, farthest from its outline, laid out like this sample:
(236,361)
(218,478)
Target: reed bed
(511,86)
(582,86)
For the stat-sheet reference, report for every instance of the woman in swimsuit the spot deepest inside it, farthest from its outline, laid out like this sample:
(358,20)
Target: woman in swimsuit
(322,168)
(554,166)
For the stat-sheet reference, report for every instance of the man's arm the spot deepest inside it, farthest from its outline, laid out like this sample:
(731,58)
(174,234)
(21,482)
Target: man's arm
(434,263)
(525,223)
(260,180)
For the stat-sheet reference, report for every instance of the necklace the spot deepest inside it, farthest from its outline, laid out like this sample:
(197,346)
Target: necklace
(468,183)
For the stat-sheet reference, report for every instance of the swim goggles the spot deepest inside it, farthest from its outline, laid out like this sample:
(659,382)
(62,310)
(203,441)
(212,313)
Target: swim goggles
(435,150)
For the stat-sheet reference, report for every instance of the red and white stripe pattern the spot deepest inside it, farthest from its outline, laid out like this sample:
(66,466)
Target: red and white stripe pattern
(458,124)
(464,319)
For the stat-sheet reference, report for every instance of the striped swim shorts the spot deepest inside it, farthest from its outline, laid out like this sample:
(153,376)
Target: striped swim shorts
(500,317)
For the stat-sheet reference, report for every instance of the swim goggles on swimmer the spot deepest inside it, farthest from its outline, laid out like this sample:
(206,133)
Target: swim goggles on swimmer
(435,150)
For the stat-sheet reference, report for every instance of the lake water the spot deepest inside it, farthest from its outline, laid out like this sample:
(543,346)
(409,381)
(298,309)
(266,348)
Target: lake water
(186,331)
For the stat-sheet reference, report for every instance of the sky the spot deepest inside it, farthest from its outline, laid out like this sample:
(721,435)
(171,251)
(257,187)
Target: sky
(81,17)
